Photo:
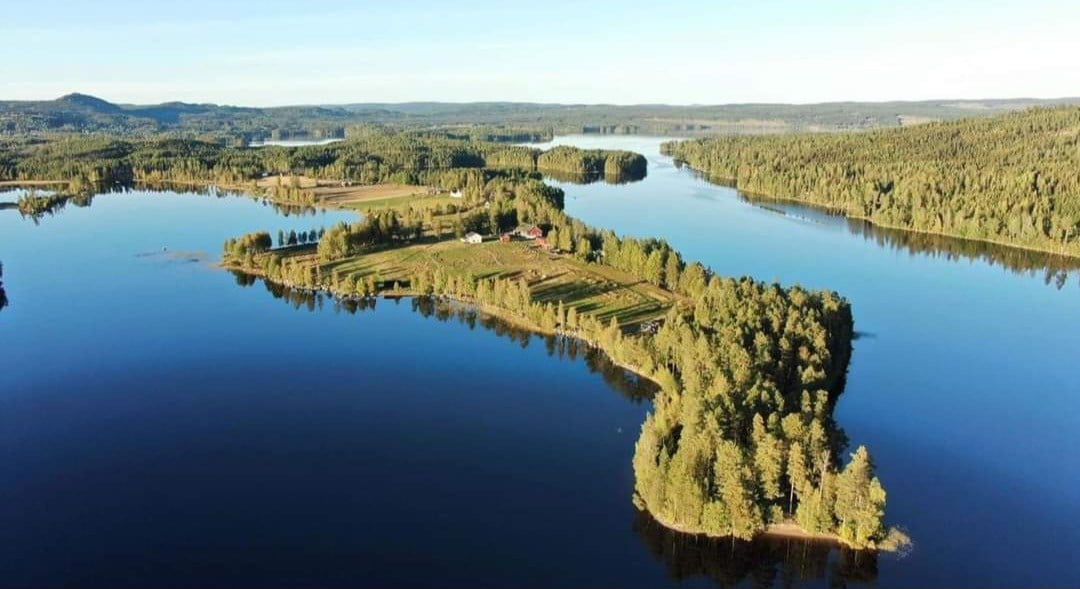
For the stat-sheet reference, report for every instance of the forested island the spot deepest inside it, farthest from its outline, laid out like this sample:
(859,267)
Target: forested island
(1010,179)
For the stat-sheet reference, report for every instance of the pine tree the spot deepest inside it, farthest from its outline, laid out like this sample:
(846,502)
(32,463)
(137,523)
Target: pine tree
(768,460)
(860,502)
(798,474)
(734,478)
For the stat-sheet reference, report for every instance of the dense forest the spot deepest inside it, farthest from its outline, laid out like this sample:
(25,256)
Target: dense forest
(742,434)
(1012,179)
(407,158)
(488,121)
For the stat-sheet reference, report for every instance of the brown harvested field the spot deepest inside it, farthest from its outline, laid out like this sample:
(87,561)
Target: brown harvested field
(339,194)
(346,195)
(286,181)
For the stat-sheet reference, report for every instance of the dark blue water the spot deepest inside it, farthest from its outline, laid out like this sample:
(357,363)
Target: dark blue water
(164,423)
(965,384)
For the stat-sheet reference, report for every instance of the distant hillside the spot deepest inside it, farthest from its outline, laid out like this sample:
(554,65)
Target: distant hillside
(80,113)
(702,119)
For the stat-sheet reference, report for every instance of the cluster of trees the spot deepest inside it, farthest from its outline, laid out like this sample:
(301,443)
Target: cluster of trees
(85,162)
(500,133)
(408,158)
(1011,179)
(742,433)
(250,244)
(384,228)
(593,163)
(301,238)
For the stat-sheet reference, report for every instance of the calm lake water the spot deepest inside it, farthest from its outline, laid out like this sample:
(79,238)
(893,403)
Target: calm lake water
(163,422)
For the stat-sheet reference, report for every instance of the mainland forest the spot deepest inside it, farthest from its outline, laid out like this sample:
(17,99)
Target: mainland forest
(1013,179)
(86,163)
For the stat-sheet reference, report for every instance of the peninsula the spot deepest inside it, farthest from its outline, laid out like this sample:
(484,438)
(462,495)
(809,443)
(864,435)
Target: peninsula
(741,440)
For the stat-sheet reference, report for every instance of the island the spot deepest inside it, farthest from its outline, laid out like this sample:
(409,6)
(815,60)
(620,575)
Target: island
(741,440)
(1009,179)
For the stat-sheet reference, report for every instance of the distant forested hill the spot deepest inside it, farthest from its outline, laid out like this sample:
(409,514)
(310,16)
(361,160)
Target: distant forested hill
(1012,179)
(701,119)
(496,121)
(79,113)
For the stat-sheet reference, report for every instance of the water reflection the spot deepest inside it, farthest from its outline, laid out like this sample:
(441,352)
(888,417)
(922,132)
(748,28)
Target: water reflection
(3,294)
(767,561)
(35,205)
(628,384)
(572,178)
(1054,269)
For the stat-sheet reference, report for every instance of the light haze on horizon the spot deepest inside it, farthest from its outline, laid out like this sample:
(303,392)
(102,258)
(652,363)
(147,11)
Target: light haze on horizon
(272,53)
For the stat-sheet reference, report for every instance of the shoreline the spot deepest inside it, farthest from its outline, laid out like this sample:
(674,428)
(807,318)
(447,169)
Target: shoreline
(491,311)
(726,182)
(254,191)
(786,529)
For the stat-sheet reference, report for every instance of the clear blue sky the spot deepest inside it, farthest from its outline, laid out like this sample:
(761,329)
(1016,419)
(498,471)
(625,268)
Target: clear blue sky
(269,52)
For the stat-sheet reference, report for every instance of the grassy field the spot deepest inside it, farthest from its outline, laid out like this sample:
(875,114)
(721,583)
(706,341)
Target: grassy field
(590,288)
(359,197)
(419,201)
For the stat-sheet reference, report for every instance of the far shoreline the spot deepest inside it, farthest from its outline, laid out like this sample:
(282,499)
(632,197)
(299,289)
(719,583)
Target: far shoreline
(731,183)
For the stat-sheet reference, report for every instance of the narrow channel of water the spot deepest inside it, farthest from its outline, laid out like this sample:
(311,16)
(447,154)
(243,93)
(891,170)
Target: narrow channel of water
(963,382)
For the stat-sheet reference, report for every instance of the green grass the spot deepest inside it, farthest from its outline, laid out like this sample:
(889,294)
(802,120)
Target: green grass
(419,202)
(590,288)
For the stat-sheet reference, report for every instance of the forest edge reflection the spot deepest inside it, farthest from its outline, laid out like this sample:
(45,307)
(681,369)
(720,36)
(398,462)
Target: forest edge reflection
(632,386)
(1054,269)
(725,561)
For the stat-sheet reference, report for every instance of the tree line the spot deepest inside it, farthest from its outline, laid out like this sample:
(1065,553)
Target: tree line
(1012,179)
(407,158)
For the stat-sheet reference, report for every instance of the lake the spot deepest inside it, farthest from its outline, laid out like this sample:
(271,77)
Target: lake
(167,423)
(964,382)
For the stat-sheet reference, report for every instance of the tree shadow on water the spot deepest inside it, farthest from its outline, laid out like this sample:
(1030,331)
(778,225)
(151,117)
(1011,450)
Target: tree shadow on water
(767,561)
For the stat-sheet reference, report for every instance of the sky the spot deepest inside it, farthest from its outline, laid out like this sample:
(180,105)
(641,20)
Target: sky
(270,52)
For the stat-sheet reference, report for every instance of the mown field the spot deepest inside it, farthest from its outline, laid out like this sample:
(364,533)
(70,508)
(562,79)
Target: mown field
(590,288)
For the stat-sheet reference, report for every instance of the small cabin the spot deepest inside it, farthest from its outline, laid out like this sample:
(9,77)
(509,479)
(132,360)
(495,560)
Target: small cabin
(473,237)
(529,231)
(505,238)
